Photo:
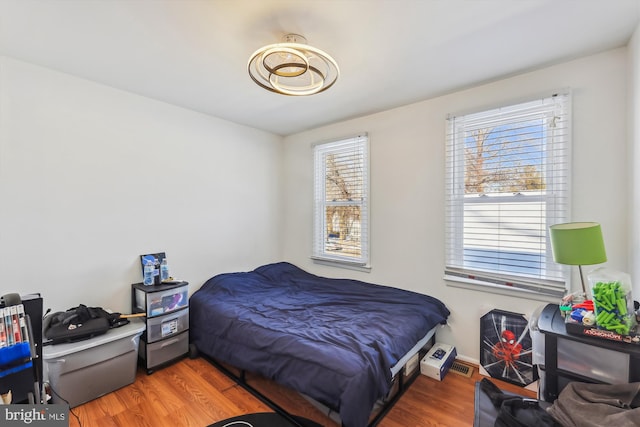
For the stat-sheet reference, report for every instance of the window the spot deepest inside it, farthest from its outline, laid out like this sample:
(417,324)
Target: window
(507,181)
(341,210)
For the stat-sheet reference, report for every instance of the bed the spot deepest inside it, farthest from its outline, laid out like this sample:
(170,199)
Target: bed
(337,341)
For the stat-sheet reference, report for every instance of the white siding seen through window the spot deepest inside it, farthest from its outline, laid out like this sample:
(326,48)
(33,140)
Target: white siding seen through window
(507,181)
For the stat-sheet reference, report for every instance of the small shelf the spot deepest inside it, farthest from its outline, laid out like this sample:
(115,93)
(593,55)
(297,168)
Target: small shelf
(166,337)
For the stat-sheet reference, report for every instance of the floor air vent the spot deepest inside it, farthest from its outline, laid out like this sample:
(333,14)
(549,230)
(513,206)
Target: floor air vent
(462,369)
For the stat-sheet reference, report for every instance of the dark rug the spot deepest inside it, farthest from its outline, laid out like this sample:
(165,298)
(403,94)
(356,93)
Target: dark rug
(263,419)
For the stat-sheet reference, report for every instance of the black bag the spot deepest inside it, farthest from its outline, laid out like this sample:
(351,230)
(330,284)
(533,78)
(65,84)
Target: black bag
(521,412)
(516,411)
(78,323)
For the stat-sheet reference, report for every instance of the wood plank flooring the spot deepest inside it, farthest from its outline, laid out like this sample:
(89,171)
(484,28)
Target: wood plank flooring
(193,393)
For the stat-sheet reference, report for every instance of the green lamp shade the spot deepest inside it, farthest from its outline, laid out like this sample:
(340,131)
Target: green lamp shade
(577,243)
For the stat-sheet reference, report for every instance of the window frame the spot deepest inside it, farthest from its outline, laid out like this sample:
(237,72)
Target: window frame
(320,251)
(554,278)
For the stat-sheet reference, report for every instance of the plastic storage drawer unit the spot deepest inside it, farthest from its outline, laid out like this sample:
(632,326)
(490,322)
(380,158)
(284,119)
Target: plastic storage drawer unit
(85,370)
(166,307)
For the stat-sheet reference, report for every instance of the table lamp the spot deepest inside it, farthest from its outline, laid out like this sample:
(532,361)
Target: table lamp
(578,243)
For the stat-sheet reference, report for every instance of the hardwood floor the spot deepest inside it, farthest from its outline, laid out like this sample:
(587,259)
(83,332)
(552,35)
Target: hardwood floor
(193,393)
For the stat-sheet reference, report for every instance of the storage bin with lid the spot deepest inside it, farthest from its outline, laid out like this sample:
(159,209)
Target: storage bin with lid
(85,370)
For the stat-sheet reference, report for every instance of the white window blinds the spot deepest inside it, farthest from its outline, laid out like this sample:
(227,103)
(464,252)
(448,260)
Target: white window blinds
(341,213)
(507,181)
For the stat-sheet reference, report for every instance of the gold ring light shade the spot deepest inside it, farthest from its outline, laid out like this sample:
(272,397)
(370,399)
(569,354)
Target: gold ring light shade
(293,67)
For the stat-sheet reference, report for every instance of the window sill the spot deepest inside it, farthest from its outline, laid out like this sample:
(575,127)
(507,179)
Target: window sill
(478,286)
(366,268)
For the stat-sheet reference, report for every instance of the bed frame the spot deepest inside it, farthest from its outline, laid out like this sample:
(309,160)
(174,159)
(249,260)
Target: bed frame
(402,379)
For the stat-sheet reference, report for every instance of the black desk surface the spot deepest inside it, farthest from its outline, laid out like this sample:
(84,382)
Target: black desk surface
(552,322)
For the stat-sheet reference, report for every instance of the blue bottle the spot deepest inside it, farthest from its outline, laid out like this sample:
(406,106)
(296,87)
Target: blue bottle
(164,270)
(148,273)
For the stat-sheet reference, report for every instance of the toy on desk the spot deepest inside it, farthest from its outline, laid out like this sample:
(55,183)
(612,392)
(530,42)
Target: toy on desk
(583,316)
(582,312)
(572,301)
(589,318)
(612,312)
(587,305)
(565,309)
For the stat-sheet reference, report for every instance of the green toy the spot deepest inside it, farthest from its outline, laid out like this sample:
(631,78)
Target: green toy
(610,300)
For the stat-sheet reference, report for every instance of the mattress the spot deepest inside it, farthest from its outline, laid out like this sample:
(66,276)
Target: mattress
(334,340)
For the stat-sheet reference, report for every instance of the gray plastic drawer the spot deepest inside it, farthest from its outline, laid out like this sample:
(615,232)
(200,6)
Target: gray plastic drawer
(602,364)
(156,303)
(163,351)
(165,326)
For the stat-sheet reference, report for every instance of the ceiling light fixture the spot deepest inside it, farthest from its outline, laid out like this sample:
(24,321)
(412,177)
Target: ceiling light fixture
(293,67)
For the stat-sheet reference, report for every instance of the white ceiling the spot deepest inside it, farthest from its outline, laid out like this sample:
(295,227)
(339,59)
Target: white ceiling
(193,53)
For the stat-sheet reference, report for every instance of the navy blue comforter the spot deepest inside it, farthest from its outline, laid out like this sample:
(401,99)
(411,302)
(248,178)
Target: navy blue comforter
(334,340)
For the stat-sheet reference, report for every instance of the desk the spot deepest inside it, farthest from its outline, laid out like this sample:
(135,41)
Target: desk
(571,357)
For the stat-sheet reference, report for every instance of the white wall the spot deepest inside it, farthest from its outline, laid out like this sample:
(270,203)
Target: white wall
(633,115)
(407,184)
(92,177)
